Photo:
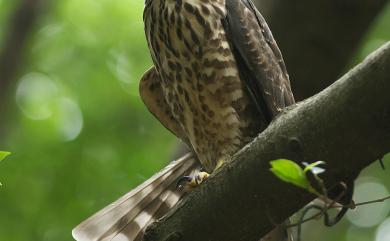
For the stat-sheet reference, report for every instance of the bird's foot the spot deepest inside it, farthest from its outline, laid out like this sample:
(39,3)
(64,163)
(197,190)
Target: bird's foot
(187,183)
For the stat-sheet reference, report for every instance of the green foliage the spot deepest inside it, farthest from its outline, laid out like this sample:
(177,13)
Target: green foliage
(4,154)
(313,166)
(289,171)
(80,135)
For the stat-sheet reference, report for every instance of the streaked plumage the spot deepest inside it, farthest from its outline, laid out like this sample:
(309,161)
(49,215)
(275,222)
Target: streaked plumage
(126,218)
(218,70)
(218,80)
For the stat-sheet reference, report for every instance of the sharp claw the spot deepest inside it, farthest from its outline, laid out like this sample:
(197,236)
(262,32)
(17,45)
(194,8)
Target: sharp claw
(187,183)
(202,176)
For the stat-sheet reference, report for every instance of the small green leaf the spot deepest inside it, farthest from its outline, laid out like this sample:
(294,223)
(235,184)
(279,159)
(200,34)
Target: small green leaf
(4,154)
(290,172)
(314,166)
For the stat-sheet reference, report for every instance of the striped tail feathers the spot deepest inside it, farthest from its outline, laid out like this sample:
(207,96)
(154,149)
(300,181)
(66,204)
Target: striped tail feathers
(158,208)
(127,218)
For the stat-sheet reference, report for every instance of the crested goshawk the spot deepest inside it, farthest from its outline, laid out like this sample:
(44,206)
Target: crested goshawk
(218,80)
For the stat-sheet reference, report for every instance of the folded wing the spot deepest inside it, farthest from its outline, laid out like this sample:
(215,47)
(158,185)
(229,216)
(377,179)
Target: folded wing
(259,59)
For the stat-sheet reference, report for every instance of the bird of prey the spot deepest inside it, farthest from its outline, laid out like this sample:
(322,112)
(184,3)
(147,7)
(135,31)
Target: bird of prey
(218,80)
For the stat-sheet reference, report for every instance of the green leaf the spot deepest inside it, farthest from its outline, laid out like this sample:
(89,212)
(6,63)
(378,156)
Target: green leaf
(290,172)
(314,166)
(4,154)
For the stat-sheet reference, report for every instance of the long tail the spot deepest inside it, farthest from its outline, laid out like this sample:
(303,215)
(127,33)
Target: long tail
(127,218)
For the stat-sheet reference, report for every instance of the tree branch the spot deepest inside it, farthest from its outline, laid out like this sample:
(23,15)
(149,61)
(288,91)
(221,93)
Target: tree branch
(347,125)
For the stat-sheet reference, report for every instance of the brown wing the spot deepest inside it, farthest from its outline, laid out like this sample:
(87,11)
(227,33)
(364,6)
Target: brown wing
(259,59)
(152,96)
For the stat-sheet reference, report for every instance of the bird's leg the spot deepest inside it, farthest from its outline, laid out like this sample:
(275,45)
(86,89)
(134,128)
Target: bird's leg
(187,183)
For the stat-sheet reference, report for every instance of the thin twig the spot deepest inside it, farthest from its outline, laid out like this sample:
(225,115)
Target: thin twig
(324,210)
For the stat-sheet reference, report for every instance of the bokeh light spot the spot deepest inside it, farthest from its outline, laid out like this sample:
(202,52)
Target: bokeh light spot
(369,215)
(383,231)
(69,121)
(34,95)
(120,66)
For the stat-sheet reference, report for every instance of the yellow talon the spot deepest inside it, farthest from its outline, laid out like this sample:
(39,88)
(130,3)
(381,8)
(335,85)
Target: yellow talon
(201,176)
(187,183)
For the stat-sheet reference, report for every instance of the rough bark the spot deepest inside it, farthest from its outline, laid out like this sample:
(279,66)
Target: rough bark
(318,38)
(347,125)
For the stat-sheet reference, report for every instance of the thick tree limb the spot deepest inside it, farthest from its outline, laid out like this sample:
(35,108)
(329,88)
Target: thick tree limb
(318,38)
(347,125)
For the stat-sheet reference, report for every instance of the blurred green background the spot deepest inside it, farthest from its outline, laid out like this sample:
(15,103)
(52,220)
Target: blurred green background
(81,137)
